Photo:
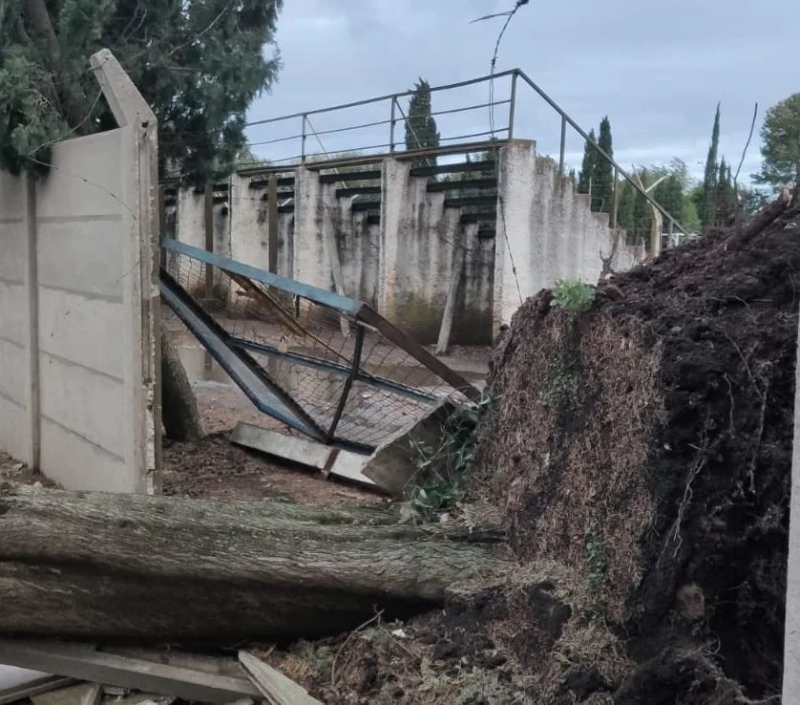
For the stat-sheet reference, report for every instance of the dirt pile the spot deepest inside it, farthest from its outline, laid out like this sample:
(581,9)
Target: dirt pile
(644,446)
(638,447)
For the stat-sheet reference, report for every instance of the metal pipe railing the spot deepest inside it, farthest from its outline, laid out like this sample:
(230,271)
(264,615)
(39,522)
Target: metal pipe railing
(515,75)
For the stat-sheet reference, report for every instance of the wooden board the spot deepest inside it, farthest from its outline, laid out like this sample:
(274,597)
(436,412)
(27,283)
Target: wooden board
(84,663)
(277,688)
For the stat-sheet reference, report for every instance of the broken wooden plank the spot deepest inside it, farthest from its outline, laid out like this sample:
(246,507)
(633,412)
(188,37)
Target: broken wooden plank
(25,691)
(86,664)
(91,693)
(277,688)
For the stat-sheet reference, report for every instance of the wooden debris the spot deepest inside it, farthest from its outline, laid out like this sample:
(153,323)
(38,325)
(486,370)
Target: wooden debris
(86,664)
(277,688)
(89,693)
(26,691)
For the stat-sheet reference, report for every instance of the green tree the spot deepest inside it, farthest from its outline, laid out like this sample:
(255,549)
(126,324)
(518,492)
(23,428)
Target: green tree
(603,171)
(707,206)
(588,165)
(421,131)
(199,63)
(780,148)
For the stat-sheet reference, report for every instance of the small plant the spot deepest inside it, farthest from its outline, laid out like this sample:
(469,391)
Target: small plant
(596,558)
(440,471)
(572,296)
(563,389)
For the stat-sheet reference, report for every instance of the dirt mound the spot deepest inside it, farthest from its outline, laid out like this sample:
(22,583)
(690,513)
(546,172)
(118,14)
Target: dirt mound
(644,446)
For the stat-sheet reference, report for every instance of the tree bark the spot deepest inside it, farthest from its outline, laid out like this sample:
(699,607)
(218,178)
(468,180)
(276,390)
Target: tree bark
(68,91)
(179,412)
(137,568)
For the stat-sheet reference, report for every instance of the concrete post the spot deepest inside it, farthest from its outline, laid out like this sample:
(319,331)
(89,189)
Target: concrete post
(142,286)
(394,190)
(791,655)
(311,263)
(32,325)
(517,245)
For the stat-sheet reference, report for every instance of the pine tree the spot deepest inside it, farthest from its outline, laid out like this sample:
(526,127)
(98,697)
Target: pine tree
(603,171)
(421,132)
(587,168)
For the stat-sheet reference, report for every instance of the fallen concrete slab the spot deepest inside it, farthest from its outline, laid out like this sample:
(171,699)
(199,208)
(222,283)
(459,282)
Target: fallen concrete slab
(295,449)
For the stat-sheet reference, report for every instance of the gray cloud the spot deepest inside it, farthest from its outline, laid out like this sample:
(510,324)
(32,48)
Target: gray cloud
(657,69)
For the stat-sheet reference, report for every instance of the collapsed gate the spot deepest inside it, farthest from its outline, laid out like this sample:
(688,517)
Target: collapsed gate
(326,365)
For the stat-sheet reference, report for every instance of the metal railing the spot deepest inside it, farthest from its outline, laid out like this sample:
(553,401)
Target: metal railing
(505,84)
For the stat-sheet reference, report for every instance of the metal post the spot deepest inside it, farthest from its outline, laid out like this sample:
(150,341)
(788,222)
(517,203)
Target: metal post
(208,222)
(393,124)
(563,153)
(615,204)
(303,143)
(671,230)
(512,106)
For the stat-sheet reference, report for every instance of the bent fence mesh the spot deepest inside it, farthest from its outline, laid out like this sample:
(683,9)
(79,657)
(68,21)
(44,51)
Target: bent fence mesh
(337,371)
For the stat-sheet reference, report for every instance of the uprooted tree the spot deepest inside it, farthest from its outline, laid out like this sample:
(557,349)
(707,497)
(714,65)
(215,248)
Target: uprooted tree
(199,90)
(127,567)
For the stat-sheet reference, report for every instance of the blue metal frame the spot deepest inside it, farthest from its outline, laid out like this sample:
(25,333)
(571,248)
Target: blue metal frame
(344,304)
(337,369)
(218,344)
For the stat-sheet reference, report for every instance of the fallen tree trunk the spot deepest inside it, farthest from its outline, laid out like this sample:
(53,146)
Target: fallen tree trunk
(128,567)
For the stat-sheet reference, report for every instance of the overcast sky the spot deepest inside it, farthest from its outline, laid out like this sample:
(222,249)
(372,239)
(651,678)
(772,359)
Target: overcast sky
(656,68)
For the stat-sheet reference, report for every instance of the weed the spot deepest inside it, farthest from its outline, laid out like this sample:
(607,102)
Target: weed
(572,296)
(441,470)
(596,558)
(563,389)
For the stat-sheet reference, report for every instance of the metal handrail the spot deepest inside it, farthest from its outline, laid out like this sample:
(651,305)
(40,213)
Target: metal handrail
(515,75)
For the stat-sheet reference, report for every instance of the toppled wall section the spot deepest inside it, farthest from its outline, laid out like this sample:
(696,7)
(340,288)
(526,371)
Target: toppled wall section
(77,305)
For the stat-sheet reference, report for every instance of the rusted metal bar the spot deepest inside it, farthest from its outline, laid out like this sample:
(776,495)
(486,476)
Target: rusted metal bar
(455,380)
(348,385)
(562,155)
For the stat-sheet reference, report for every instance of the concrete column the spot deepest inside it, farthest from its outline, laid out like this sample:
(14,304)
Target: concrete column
(517,244)
(394,186)
(191,218)
(311,264)
(249,229)
(791,654)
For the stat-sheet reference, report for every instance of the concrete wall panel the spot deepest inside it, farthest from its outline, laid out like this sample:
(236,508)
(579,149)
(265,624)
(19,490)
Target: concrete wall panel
(12,383)
(64,320)
(90,405)
(12,312)
(78,382)
(72,461)
(14,428)
(63,263)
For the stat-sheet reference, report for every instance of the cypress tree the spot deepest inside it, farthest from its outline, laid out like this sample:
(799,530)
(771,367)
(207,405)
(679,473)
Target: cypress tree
(708,204)
(421,131)
(603,171)
(587,168)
